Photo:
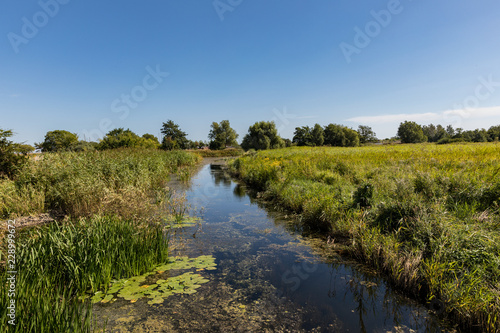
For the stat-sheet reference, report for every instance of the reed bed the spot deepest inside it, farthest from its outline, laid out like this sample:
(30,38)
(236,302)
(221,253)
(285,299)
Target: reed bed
(114,202)
(425,215)
(58,263)
(127,182)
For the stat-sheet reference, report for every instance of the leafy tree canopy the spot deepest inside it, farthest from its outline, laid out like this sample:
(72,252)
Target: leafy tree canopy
(411,132)
(222,135)
(173,137)
(366,134)
(58,140)
(124,138)
(340,136)
(10,158)
(307,136)
(262,135)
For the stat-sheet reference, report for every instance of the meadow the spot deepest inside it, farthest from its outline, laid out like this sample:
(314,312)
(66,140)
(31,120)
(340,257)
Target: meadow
(426,216)
(116,203)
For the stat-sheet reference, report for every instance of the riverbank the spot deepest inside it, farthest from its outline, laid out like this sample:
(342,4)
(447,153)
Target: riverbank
(427,216)
(77,221)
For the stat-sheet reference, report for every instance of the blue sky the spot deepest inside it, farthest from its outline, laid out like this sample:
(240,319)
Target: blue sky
(91,66)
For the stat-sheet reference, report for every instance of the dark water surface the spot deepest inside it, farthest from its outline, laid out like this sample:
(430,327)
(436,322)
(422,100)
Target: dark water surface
(270,277)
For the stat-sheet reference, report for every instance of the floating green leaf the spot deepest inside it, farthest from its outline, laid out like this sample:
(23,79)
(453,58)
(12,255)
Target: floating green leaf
(136,287)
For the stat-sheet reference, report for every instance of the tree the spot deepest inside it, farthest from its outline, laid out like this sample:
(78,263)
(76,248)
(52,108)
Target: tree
(173,137)
(366,134)
(23,149)
(125,138)
(302,136)
(317,135)
(151,137)
(58,140)
(479,135)
(435,133)
(494,133)
(222,135)
(340,136)
(262,135)
(10,160)
(307,136)
(85,146)
(450,131)
(411,132)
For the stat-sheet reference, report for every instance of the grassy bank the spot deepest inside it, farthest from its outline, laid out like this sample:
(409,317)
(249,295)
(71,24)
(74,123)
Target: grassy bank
(126,182)
(426,215)
(230,152)
(60,262)
(112,231)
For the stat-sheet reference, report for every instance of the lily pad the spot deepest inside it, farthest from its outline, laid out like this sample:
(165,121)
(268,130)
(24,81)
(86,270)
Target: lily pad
(134,288)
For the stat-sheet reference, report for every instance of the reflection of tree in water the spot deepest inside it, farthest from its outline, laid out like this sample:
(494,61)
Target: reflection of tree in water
(220,177)
(239,191)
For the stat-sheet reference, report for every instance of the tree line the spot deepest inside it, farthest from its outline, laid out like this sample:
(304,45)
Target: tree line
(411,132)
(260,136)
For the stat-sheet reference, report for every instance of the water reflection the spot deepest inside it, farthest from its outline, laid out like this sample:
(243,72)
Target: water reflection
(272,275)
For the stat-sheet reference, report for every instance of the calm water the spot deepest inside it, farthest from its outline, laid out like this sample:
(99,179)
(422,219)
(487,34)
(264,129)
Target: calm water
(270,276)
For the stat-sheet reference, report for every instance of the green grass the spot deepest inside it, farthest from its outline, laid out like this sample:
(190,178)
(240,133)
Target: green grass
(426,215)
(126,182)
(62,261)
(115,202)
(230,152)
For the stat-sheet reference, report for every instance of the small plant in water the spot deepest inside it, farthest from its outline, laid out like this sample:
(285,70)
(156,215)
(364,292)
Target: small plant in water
(158,284)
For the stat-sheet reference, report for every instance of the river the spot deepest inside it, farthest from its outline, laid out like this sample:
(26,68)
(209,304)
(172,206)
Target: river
(270,275)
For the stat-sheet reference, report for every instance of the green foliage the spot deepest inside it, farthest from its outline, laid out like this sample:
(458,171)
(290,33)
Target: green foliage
(11,154)
(302,136)
(121,138)
(411,132)
(23,149)
(306,136)
(125,182)
(340,136)
(85,146)
(58,140)
(222,135)
(262,135)
(229,152)
(366,134)
(161,284)
(494,133)
(173,137)
(64,260)
(428,215)
(151,137)
(436,133)
(363,196)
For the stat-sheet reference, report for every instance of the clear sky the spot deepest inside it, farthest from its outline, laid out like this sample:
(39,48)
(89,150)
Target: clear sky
(91,66)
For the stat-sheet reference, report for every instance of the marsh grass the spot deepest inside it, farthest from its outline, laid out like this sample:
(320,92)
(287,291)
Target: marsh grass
(426,215)
(115,201)
(125,182)
(230,152)
(62,261)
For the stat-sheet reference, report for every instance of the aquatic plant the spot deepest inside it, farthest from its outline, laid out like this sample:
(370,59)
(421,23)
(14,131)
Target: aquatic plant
(157,288)
(64,260)
(426,215)
(125,182)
